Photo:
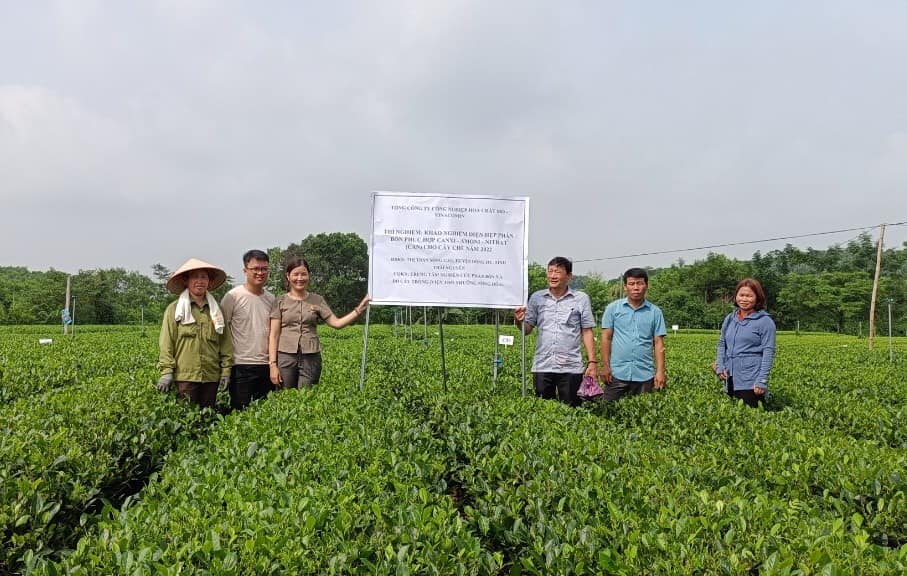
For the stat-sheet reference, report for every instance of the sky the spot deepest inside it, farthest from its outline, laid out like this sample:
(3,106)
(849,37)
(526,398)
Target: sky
(141,133)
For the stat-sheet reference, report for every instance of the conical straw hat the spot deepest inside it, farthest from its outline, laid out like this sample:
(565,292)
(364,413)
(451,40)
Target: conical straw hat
(177,281)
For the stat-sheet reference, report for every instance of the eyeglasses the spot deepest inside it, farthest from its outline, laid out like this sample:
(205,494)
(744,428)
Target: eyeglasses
(259,270)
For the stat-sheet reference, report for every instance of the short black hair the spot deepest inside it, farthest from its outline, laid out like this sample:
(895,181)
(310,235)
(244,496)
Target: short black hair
(255,255)
(636,273)
(564,263)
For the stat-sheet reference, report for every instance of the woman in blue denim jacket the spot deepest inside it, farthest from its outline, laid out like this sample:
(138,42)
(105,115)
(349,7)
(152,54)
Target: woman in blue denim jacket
(746,348)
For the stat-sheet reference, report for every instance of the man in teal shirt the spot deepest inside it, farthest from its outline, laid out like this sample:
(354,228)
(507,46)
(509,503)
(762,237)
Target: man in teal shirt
(632,328)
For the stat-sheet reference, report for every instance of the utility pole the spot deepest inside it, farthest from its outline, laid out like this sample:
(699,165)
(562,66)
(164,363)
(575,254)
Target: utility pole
(66,306)
(875,288)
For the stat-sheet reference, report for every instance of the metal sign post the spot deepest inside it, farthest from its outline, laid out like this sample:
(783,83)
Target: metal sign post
(443,357)
(368,310)
(497,356)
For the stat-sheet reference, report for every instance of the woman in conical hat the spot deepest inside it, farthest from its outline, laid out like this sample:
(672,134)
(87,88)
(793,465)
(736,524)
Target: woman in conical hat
(177,281)
(196,350)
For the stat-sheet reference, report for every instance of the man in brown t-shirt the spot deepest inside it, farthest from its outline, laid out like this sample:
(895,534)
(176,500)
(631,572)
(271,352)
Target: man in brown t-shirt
(246,310)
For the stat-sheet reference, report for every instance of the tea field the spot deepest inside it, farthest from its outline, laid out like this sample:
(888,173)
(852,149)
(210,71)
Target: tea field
(101,474)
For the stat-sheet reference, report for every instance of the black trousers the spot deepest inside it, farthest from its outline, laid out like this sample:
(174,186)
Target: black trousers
(749,397)
(617,389)
(248,382)
(558,385)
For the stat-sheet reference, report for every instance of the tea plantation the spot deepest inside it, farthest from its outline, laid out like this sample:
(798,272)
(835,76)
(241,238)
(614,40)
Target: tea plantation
(101,474)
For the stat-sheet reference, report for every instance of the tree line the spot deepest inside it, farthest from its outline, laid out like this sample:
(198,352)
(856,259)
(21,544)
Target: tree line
(813,290)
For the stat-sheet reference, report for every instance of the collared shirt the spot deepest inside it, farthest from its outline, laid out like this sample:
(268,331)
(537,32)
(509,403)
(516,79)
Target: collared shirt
(633,338)
(194,352)
(560,322)
(248,315)
(299,322)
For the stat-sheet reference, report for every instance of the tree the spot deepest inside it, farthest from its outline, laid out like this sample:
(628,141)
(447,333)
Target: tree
(599,292)
(538,277)
(716,277)
(275,283)
(20,313)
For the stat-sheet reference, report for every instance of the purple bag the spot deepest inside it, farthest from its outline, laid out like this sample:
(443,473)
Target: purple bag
(589,389)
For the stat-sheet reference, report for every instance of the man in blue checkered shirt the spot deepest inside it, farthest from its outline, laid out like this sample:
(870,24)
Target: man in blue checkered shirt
(564,318)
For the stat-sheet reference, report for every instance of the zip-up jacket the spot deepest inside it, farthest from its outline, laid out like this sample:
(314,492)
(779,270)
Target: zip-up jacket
(746,349)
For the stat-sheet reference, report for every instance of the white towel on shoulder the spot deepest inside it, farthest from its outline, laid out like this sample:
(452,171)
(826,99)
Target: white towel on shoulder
(184,311)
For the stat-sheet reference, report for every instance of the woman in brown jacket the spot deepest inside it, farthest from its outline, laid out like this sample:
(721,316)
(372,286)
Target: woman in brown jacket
(294,351)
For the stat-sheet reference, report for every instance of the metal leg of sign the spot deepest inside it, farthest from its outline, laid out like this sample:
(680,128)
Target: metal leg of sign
(523,355)
(494,362)
(443,357)
(368,310)
(425,321)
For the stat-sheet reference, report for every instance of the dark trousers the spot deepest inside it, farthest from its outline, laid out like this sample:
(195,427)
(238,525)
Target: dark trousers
(248,382)
(617,389)
(202,393)
(749,397)
(298,370)
(557,385)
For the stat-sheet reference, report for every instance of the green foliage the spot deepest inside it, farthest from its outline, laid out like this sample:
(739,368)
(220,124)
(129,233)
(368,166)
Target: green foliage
(81,432)
(819,290)
(111,296)
(538,277)
(408,478)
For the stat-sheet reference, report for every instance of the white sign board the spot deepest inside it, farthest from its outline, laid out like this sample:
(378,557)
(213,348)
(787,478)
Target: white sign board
(505,340)
(446,250)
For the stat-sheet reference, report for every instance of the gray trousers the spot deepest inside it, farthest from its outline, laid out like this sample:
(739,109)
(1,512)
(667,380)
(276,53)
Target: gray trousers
(297,370)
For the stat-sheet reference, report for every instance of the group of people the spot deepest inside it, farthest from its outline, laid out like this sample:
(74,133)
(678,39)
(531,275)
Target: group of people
(632,359)
(251,342)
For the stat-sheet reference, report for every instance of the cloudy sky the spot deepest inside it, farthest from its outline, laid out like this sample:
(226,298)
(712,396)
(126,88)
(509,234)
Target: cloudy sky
(141,132)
